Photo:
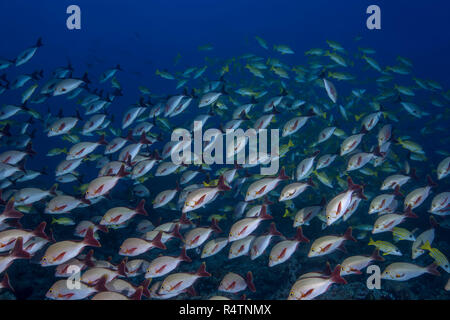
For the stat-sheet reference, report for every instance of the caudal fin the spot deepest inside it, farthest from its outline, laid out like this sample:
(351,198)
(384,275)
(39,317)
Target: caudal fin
(267,201)
(5,283)
(18,252)
(145,284)
(122,268)
(10,212)
(397,191)
(348,235)
(122,173)
(176,232)
(310,182)
(430,182)
(352,185)
(249,281)
(157,241)
(89,239)
(264,215)
(336,275)
(222,185)
(300,237)
(282,175)
(101,284)
(102,140)
(201,272)
(434,224)
(140,209)
(137,295)
(273,230)
(40,231)
(215,226)
(376,255)
(409,214)
(88,259)
(144,140)
(184,219)
(183,256)
(52,190)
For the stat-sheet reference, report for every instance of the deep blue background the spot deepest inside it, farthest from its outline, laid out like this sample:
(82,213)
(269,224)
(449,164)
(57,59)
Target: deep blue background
(144,35)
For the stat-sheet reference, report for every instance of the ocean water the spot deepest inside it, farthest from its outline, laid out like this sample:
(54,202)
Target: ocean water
(143,36)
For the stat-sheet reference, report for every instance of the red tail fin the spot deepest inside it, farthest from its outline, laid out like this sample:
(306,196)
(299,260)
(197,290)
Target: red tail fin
(201,272)
(122,268)
(263,214)
(5,283)
(100,286)
(336,275)
(378,153)
(273,230)
(122,173)
(432,269)
(40,231)
(413,174)
(183,256)
(249,281)
(300,237)
(18,252)
(376,255)
(140,209)
(215,226)
(282,175)
(145,284)
(156,155)
(222,185)
(409,213)
(191,291)
(102,228)
(430,182)
(10,212)
(129,136)
(144,140)
(157,241)
(433,222)
(102,140)
(327,271)
(176,232)
(137,295)
(310,182)
(348,235)
(352,185)
(360,193)
(88,259)
(29,149)
(184,219)
(52,190)
(89,239)
(397,191)
(267,201)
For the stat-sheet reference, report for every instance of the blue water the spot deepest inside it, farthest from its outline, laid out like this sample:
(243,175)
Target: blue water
(143,36)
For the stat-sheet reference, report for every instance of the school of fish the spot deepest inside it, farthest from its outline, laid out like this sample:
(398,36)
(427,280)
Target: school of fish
(354,156)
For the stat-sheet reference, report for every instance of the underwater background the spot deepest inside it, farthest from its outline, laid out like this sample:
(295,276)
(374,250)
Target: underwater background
(143,36)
